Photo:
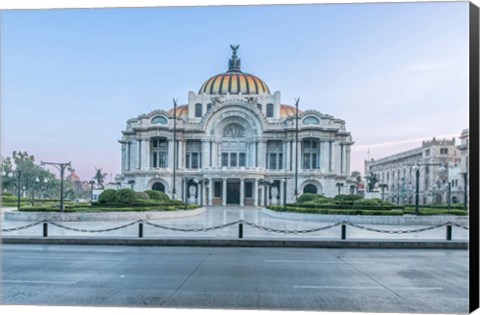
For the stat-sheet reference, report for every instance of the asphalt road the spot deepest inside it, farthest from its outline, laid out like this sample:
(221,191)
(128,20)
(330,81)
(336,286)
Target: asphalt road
(365,280)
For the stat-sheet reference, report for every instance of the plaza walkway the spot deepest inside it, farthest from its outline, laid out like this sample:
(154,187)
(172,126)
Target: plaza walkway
(217,216)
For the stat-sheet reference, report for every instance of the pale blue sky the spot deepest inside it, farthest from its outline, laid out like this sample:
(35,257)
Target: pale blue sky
(396,73)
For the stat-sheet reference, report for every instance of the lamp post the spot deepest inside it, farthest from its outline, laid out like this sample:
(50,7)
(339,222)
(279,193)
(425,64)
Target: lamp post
(174,146)
(34,182)
(465,195)
(61,167)
(448,185)
(284,182)
(296,147)
(19,176)
(92,182)
(416,169)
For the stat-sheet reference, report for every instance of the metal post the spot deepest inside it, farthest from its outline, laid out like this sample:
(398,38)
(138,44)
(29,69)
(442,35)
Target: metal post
(465,197)
(449,232)
(240,230)
(19,175)
(417,190)
(174,146)
(344,231)
(45,229)
(296,148)
(285,195)
(140,229)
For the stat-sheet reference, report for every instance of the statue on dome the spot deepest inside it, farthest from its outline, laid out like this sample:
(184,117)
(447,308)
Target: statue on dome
(234,48)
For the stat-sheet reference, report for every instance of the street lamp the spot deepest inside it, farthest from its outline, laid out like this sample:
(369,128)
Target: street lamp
(19,176)
(92,182)
(61,167)
(284,182)
(416,169)
(35,182)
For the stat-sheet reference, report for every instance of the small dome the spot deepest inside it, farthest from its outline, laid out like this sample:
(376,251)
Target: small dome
(234,81)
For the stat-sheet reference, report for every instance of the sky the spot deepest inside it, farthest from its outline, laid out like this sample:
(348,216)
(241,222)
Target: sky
(396,73)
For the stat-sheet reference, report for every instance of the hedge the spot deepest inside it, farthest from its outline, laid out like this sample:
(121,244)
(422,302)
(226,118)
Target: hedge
(346,206)
(157,195)
(106,209)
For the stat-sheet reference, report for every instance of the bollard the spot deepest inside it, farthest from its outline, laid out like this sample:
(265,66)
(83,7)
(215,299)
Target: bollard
(240,230)
(449,232)
(140,230)
(344,231)
(45,229)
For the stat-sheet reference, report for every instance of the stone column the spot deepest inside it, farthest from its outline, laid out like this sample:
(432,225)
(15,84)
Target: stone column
(146,154)
(170,154)
(242,192)
(224,191)
(330,156)
(210,191)
(282,192)
(139,154)
(262,153)
(129,155)
(255,193)
(347,159)
(124,157)
(287,155)
(180,154)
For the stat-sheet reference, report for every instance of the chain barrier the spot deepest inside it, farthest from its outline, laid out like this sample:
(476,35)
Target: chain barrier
(194,229)
(396,231)
(93,231)
(18,228)
(268,229)
(253,225)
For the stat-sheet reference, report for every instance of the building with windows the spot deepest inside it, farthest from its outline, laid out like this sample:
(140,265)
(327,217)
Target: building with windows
(439,163)
(235,142)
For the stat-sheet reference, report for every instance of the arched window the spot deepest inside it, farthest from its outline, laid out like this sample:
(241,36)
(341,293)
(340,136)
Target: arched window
(311,120)
(311,189)
(269,110)
(158,187)
(198,110)
(159,120)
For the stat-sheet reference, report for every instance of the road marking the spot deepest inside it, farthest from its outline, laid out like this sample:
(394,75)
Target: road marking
(39,281)
(73,258)
(362,288)
(301,261)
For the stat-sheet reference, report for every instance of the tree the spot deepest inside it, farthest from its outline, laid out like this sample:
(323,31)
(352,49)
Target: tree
(100,178)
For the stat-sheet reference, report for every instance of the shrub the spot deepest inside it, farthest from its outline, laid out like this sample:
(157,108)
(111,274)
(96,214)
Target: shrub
(367,202)
(306,197)
(157,195)
(6,194)
(142,195)
(126,196)
(346,199)
(108,196)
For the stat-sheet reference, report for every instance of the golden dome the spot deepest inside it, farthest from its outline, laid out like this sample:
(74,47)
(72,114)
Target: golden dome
(234,83)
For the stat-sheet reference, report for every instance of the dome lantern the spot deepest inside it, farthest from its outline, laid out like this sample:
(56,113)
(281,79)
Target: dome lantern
(234,81)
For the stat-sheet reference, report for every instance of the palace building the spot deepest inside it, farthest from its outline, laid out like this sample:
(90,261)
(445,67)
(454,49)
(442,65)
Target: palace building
(235,142)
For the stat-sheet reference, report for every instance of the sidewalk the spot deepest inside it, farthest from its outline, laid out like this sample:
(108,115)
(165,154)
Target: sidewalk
(216,216)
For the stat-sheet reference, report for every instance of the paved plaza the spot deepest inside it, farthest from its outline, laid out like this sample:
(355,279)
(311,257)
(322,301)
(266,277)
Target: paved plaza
(216,216)
(364,280)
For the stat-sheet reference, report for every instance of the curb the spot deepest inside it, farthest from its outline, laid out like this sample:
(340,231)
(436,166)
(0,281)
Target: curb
(365,243)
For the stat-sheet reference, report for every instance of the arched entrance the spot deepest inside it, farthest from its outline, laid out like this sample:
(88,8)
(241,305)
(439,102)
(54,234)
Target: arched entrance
(159,187)
(310,188)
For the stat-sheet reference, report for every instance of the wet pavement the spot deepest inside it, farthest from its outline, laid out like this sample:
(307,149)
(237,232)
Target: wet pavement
(219,216)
